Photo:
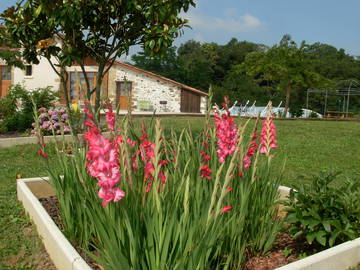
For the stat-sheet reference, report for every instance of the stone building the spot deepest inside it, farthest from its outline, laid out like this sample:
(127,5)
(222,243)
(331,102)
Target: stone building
(125,85)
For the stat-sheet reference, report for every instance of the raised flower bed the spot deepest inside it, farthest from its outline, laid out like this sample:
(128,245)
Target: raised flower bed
(65,257)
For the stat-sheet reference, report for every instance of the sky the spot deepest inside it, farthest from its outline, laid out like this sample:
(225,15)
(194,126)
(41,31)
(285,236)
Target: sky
(333,22)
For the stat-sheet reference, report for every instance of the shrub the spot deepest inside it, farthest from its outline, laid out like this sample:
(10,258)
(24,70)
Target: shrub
(325,211)
(16,109)
(313,115)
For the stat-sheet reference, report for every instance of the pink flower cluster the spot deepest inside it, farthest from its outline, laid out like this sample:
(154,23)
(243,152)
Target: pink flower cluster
(103,162)
(268,136)
(251,151)
(147,155)
(226,132)
(205,171)
(110,117)
(52,119)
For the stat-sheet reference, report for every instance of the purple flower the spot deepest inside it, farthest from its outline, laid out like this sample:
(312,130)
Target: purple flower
(45,125)
(65,116)
(54,117)
(43,116)
(42,109)
(51,112)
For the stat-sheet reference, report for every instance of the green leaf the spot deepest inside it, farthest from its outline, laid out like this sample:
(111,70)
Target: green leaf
(327,225)
(320,237)
(333,237)
(310,237)
(298,234)
(313,223)
(38,11)
(152,44)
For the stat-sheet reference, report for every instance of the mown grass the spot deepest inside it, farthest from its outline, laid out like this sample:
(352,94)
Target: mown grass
(20,246)
(305,148)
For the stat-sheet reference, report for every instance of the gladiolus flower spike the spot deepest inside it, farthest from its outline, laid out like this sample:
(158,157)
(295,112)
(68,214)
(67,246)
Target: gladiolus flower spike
(103,162)
(226,132)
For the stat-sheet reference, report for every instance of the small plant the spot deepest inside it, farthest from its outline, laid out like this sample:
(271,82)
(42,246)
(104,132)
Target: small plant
(287,252)
(325,212)
(302,255)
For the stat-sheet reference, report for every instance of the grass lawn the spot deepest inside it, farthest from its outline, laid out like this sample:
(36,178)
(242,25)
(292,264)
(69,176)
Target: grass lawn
(306,147)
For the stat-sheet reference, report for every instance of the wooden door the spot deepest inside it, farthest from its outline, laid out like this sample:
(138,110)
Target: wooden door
(5,80)
(123,94)
(190,102)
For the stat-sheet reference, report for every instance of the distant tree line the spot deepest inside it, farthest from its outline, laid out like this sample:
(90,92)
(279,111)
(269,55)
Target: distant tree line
(245,71)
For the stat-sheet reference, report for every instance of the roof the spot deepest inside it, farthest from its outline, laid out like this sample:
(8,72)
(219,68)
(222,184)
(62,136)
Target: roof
(156,76)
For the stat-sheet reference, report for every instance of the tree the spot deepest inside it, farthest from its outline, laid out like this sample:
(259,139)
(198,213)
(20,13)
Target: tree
(8,49)
(167,64)
(284,66)
(102,30)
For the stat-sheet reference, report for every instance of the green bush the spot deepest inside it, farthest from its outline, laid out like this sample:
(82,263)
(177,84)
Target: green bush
(16,110)
(313,115)
(325,211)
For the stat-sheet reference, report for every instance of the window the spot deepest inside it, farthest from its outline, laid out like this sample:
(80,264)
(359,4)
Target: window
(123,94)
(28,70)
(78,83)
(5,73)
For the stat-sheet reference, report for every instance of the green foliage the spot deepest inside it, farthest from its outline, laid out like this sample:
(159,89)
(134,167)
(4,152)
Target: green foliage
(16,110)
(313,115)
(324,212)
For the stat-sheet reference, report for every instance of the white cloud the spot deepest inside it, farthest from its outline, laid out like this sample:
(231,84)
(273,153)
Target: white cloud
(228,24)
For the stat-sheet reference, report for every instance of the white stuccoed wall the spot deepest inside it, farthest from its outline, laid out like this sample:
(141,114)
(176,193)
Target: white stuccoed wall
(42,76)
(149,89)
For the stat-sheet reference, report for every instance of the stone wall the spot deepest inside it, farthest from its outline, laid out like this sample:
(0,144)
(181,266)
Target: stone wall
(148,93)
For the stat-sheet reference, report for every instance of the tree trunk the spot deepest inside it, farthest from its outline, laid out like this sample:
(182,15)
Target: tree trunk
(99,81)
(287,101)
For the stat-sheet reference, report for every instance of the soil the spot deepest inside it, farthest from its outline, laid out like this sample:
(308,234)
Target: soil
(284,251)
(51,205)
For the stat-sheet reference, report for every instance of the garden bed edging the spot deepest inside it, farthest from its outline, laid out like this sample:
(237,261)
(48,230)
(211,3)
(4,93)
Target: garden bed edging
(61,252)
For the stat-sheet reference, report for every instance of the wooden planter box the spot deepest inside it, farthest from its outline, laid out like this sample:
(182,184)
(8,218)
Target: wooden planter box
(65,257)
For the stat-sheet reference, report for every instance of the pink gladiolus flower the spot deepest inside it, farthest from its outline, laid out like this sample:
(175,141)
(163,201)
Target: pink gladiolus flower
(110,118)
(130,142)
(246,162)
(205,171)
(229,189)
(268,136)
(226,132)
(226,209)
(147,154)
(110,194)
(103,162)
